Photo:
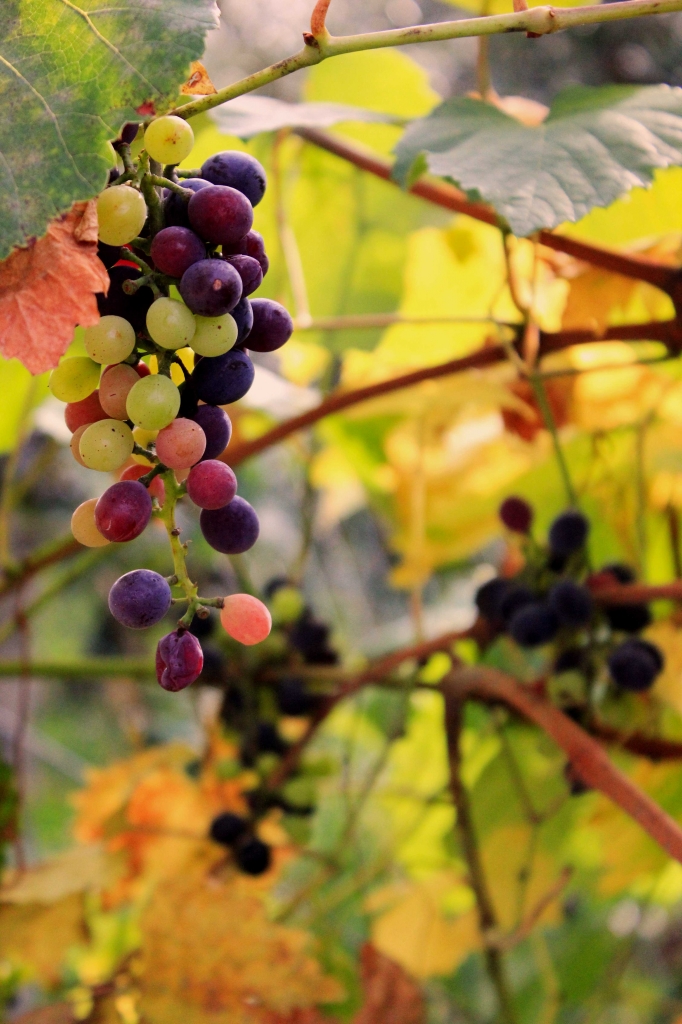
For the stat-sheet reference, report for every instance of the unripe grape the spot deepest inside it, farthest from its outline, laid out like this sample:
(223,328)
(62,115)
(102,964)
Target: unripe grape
(85,412)
(245,619)
(121,212)
(84,528)
(181,444)
(153,402)
(74,379)
(106,445)
(75,443)
(169,139)
(170,323)
(156,488)
(110,340)
(214,335)
(115,387)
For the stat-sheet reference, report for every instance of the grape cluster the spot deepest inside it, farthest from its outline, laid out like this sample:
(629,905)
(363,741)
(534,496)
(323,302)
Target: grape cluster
(183,260)
(552,600)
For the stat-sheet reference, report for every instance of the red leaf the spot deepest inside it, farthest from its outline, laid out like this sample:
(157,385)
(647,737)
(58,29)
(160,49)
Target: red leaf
(391,995)
(49,287)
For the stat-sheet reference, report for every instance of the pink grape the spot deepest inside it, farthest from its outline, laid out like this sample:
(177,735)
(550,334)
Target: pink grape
(85,412)
(179,660)
(211,484)
(114,388)
(180,444)
(156,488)
(245,619)
(74,444)
(123,511)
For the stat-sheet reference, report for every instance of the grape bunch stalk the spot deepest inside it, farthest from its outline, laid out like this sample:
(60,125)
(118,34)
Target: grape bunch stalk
(161,238)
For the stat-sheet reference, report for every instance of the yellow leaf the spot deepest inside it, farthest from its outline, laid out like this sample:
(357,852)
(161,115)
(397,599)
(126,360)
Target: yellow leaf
(668,687)
(75,870)
(36,937)
(508,859)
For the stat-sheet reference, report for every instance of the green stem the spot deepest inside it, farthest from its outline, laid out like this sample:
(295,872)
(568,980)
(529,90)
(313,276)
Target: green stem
(138,261)
(166,514)
(536,382)
(168,183)
(537,20)
(153,201)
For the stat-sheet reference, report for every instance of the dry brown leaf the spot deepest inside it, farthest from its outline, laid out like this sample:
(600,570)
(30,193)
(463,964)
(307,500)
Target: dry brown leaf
(391,995)
(199,82)
(49,287)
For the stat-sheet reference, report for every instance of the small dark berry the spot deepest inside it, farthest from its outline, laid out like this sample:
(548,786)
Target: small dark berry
(292,698)
(489,596)
(635,664)
(570,660)
(622,573)
(534,625)
(253,857)
(227,828)
(571,602)
(568,532)
(268,740)
(516,514)
(628,618)
(575,784)
(516,597)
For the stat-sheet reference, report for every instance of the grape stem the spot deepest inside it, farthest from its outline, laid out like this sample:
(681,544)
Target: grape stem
(174,491)
(138,261)
(162,182)
(153,202)
(149,280)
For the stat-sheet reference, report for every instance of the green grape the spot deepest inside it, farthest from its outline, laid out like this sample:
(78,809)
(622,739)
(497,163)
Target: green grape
(286,605)
(153,402)
(170,323)
(111,340)
(169,139)
(121,211)
(214,335)
(74,379)
(106,445)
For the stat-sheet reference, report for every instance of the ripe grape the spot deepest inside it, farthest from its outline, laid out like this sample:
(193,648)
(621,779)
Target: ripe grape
(224,379)
(311,639)
(110,340)
(121,213)
(211,287)
(128,133)
(124,510)
(534,625)
(489,596)
(217,427)
(244,617)
(74,379)
(84,528)
(628,618)
(175,206)
(515,597)
(239,170)
(139,599)
(227,828)
(114,389)
(169,139)
(75,443)
(214,335)
(249,271)
(116,303)
(106,445)
(174,249)
(572,603)
(179,660)
(210,484)
(170,323)
(254,857)
(568,533)
(220,214)
(243,317)
(635,664)
(516,514)
(272,326)
(292,698)
(153,402)
(181,444)
(251,245)
(156,488)
(85,412)
(232,529)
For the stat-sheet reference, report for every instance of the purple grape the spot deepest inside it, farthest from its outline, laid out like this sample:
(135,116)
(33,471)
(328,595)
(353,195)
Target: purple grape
(175,249)
(227,828)
(249,270)
(516,514)
(223,379)
(254,857)
(572,603)
(250,245)
(242,314)
(117,303)
(534,625)
(211,484)
(128,134)
(232,529)
(123,511)
(272,326)
(179,660)
(489,597)
(239,170)
(220,214)
(139,599)
(217,427)
(568,532)
(175,206)
(635,664)
(211,287)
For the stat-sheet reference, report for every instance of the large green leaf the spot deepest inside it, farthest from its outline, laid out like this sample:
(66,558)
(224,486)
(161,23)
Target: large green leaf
(70,77)
(248,115)
(595,145)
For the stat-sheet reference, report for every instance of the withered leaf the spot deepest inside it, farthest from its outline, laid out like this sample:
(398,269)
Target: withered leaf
(391,995)
(199,82)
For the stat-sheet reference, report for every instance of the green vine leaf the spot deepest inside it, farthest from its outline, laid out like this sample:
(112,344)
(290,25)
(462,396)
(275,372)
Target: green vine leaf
(248,115)
(70,76)
(595,145)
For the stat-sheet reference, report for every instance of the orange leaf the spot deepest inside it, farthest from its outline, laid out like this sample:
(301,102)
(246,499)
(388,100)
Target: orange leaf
(391,995)
(198,83)
(49,287)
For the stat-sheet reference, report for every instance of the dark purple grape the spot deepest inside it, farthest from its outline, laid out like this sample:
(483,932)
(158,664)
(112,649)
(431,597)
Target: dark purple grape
(635,664)
(117,303)
(622,573)
(251,245)
(628,618)
(568,533)
(175,206)
(239,170)
(253,857)
(123,511)
(242,314)
(534,625)
(220,214)
(311,638)
(517,596)
(292,698)
(128,133)
(223,379)
(217,427)
(179,660)
(232,529)
(268,740)
(139,599)
(249,271)
(489,597)
(109,254)
(211,484)
(272,326)
(211,287)
(175,249)
(516,514)
(570,660)
(228,828)
(572,603)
